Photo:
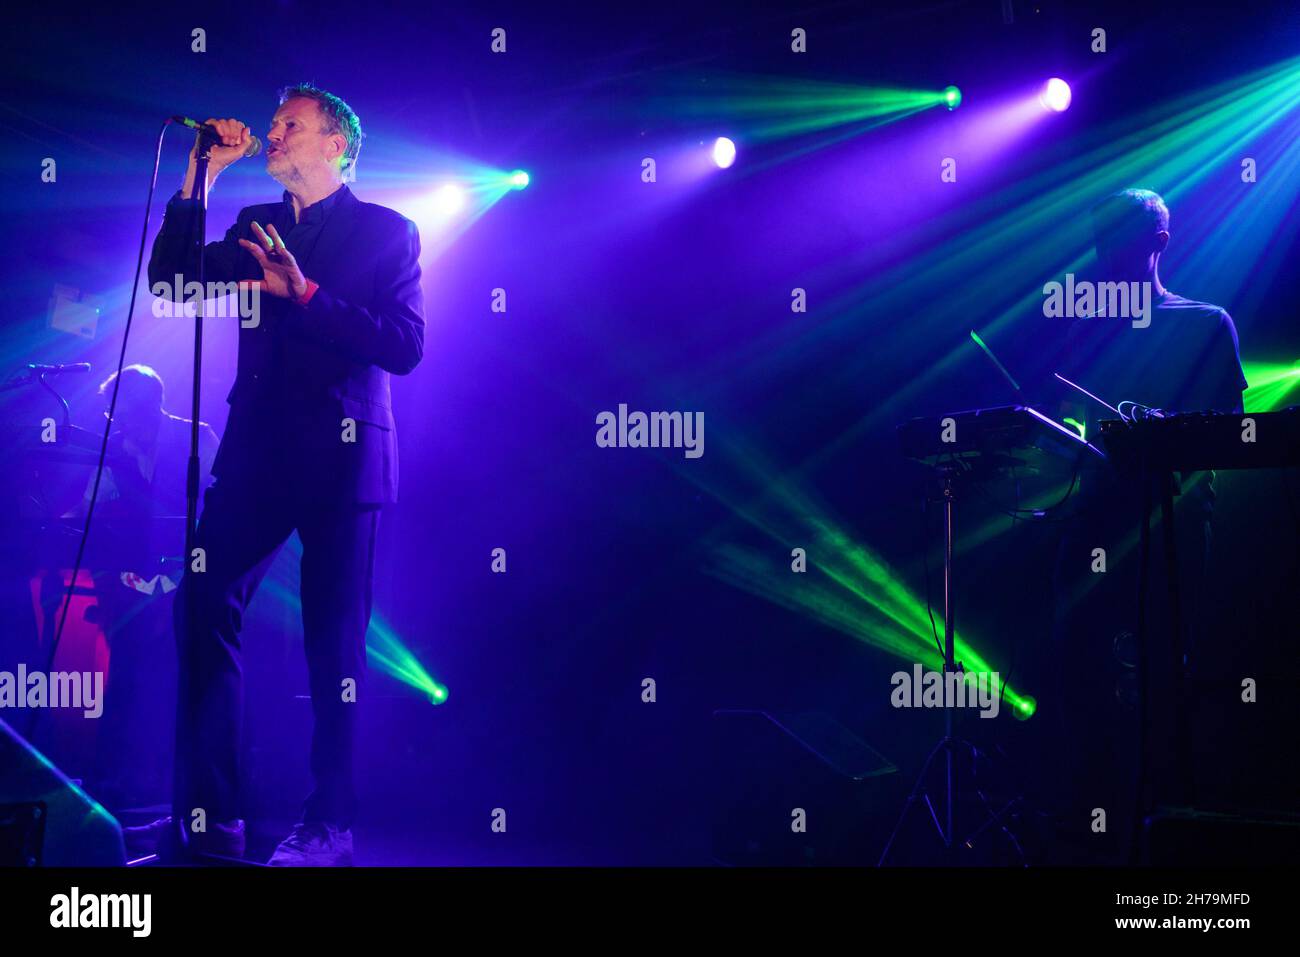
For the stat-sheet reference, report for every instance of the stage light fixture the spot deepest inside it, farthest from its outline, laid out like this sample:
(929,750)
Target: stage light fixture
(519,179)
(1055,95)
(724,152)
(952,96)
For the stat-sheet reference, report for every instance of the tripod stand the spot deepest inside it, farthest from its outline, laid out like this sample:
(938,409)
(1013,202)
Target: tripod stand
(949,745)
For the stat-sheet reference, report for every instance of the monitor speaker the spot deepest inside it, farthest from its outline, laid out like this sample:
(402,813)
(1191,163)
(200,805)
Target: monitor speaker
(45,819)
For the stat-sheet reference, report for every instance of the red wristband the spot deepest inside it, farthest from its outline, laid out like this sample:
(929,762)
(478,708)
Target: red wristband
(306,296)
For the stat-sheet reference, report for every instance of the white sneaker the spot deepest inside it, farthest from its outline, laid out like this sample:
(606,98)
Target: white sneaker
(314,844)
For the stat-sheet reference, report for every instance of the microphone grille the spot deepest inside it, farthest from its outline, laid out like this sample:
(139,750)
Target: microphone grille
(254,147)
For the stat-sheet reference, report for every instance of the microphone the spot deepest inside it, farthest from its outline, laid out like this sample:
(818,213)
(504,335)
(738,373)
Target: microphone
(254,144)
(36,372)
(58,369)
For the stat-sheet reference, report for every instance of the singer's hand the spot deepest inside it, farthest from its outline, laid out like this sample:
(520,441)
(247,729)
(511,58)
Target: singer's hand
(280,273)
(234,140)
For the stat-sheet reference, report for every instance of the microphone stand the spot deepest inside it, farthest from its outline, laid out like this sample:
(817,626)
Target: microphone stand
(199,192)
(950,746)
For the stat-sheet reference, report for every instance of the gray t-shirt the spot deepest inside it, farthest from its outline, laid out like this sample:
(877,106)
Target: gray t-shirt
(1187,360)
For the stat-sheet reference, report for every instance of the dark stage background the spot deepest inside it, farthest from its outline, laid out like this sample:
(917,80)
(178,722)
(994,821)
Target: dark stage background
(631,564)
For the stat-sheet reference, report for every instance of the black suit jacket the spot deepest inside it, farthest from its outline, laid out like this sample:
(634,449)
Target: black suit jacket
(304,370)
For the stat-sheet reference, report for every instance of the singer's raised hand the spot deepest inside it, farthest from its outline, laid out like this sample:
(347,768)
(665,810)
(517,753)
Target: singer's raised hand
(234,141)
(280,273)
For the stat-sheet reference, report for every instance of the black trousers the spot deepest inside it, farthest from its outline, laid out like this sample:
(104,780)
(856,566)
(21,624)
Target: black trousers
(241,530)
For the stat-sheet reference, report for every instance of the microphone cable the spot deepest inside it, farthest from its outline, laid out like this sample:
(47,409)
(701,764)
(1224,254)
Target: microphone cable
(108,428)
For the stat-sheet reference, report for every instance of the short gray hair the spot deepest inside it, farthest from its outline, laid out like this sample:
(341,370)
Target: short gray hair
(1130,208)
(339,118)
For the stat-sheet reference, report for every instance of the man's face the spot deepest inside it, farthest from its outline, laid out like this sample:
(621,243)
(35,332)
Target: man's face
(138,414)
(296,149)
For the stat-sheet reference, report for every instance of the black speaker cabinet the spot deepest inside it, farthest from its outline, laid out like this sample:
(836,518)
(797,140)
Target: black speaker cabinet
(1188,837)
(45,819)
(797,788)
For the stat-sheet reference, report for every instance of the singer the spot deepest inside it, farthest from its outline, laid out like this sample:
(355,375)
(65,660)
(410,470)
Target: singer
(310,446)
